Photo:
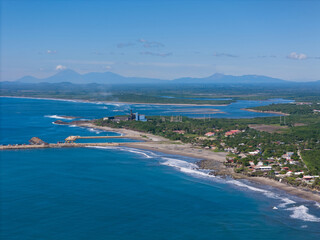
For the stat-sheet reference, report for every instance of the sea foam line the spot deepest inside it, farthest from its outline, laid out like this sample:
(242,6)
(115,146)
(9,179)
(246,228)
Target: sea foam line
(56,117)
(302,213)
(298,212)
(185,167)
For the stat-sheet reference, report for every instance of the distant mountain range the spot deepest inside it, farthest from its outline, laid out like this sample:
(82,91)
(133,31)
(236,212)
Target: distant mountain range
(93,77)
(112,78)
(229,79)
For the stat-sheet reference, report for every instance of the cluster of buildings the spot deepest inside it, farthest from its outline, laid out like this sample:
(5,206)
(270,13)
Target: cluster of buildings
(280,168)
(131,117)
(280,165)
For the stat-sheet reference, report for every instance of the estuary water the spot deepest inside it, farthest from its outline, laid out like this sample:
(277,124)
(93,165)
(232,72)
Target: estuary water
(125,193)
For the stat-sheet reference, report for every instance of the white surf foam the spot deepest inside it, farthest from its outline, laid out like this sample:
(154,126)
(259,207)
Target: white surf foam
(193,169)
(94,130)
(302,213)
(99,147)
(195,172)
(241,184)
(56,117)
(114,104)
(178,163)
(147,155)
(298,212)
(132,150)
(285,200)
(185,167)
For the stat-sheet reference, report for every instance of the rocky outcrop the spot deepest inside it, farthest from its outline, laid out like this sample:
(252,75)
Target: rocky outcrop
(209,164)
(37,141)
(79,122)
(61,122)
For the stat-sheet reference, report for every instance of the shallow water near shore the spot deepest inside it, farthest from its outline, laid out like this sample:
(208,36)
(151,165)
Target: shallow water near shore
(126,193)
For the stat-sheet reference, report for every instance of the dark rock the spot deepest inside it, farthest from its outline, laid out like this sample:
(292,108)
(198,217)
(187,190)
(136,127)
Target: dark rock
(37,141)
(61,122)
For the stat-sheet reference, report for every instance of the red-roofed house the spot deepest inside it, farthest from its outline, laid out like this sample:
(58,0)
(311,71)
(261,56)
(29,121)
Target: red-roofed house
(231,132)
(210,134)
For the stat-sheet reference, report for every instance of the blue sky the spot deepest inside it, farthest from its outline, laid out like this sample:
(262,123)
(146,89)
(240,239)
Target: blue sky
(161,39)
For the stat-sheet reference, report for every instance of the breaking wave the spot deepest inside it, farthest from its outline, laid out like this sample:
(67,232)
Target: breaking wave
(302,213)
(96,131)
(140,152)
(57,117)
(186,167)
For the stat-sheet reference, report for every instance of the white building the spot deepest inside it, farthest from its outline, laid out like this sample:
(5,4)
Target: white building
(264,168)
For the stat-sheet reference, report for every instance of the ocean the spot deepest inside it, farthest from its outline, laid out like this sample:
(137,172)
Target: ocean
(126,193)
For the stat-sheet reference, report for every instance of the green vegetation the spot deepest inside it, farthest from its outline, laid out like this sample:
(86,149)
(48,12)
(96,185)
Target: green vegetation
(312,160)
(139,98)
(270,143)
(153,93)
(305,109)
(248,147)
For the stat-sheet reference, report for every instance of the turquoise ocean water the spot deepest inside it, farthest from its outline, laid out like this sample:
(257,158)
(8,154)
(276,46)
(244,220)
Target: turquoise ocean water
(125,193)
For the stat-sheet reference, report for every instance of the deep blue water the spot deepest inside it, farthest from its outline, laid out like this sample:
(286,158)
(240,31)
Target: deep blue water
(124,193)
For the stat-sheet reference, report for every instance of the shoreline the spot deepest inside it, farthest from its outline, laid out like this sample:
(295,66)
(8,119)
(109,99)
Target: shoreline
(299,192)
(259,111)
(111,102)
(208,160)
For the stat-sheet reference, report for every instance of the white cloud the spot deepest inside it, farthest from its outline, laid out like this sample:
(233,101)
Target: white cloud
(60,67)
(51,52)
(156,54)
(150,44)
(108,67)
(297,56)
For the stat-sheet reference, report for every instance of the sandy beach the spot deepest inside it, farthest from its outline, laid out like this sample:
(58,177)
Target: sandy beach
(258,111)
(208,159)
